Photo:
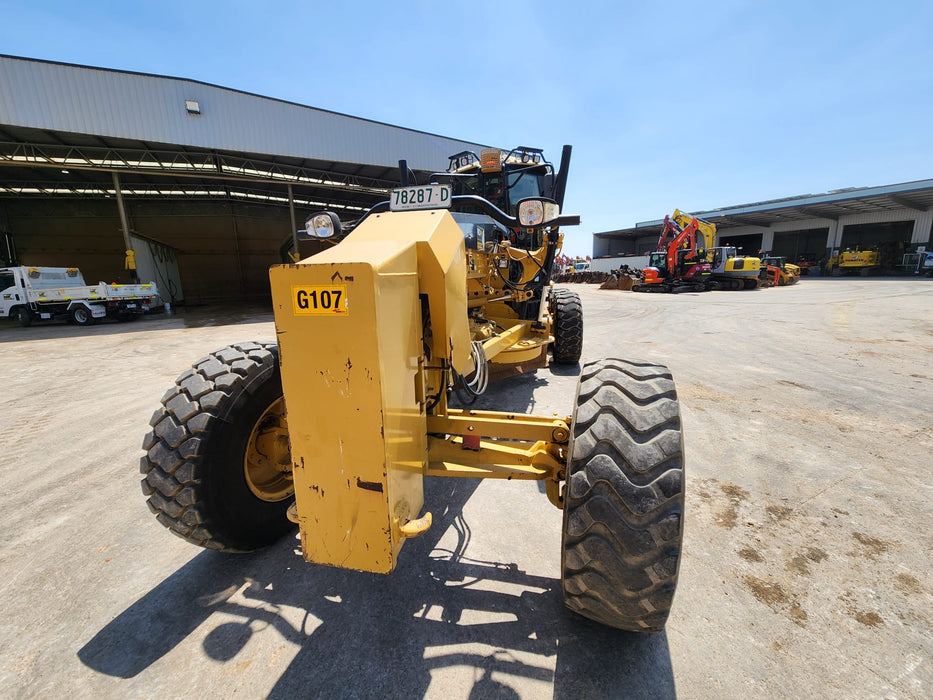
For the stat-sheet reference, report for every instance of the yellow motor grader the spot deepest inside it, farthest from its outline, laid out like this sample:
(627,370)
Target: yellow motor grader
(425,299)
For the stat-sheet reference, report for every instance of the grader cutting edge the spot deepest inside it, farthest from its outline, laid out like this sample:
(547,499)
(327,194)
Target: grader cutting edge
(334,427)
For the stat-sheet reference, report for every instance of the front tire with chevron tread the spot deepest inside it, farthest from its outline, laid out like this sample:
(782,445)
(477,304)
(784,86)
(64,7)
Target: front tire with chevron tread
(567,315)
(624,496)
(220,418)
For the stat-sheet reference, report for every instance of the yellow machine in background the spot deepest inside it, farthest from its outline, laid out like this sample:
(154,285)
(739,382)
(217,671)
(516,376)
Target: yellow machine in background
(728,269)
(433,293)
(863,261)
(778,272)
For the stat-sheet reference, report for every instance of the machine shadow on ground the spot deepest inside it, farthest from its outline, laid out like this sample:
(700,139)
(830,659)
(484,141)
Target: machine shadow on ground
(517,393)
(363,634)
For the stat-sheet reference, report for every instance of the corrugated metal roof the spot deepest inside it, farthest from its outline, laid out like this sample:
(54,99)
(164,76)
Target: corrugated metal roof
(80,99)
(917,196)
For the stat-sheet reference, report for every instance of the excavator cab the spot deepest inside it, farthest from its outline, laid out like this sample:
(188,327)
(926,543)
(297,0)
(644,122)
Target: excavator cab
(658,260)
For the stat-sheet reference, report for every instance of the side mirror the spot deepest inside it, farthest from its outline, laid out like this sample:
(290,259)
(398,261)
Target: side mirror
(537,211)
(325,224)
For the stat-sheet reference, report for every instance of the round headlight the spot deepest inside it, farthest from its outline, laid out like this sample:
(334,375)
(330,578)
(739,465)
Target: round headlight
(531,213)
(322,226)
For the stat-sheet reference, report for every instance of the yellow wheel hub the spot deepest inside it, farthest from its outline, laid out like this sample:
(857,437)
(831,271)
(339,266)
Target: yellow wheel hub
(268,464)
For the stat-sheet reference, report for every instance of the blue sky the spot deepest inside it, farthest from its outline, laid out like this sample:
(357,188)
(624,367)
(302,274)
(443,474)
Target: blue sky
(676,105)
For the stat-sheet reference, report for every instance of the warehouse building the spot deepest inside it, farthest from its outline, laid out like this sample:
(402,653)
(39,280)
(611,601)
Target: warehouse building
(896,220)
(205,184)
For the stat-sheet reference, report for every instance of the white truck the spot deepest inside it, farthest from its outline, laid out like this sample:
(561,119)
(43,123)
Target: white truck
(30,294)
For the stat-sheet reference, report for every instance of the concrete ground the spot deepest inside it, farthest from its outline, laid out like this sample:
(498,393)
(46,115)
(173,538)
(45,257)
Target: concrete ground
(806,571)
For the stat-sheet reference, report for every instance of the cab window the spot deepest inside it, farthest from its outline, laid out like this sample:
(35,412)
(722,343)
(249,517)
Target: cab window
(522,186)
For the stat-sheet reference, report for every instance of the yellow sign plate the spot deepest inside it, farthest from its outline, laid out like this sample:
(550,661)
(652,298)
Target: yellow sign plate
(320,300)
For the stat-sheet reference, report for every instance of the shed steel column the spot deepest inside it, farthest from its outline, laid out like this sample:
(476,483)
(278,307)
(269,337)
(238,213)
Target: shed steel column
(236,250)
(923,225)
(124,223)
(767,239)
(833,237)
(291,212)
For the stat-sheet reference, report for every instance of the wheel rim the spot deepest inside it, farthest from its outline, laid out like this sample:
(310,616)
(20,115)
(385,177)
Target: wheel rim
(267,465)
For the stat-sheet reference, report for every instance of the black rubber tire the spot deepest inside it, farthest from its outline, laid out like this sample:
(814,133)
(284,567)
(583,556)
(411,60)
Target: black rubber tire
(624,496)
(194,464)
(567,315)
(82,316)
(22,316)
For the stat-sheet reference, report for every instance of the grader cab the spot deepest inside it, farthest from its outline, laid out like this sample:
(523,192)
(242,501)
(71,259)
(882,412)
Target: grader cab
(430,296)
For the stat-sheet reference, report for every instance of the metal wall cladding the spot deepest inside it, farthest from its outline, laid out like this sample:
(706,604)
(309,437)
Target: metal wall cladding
(879,217)
(80,99)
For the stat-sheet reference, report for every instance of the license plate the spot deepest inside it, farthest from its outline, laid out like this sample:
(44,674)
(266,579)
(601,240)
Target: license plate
(131,306)
(420,197)
(320,300)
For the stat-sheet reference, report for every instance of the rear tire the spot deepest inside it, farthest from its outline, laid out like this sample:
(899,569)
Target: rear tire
(223,417)
(624,496)
(567,315)
(82,316)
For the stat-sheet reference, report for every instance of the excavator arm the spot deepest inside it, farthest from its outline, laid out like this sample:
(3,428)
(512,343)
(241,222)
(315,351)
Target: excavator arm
(706,229)
(686,240)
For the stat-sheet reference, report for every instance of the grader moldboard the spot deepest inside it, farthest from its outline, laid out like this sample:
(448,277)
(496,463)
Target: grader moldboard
(433,292)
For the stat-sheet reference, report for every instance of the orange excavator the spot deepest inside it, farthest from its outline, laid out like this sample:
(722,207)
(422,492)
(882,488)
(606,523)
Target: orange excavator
(679,263)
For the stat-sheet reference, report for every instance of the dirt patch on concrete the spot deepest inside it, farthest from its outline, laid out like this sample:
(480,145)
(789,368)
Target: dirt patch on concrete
(800,563)
(869,619)
(779,512)
(767,592)
(728,516)
(907,584)
(775,597)
(872,547)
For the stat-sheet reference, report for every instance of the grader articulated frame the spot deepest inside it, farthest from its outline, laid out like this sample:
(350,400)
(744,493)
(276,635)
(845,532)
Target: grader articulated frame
(335,425)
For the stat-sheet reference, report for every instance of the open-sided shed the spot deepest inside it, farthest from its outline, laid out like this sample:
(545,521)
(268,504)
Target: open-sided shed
(94,161)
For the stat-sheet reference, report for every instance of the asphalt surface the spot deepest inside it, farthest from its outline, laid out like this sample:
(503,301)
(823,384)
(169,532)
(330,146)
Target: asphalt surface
(806,569)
